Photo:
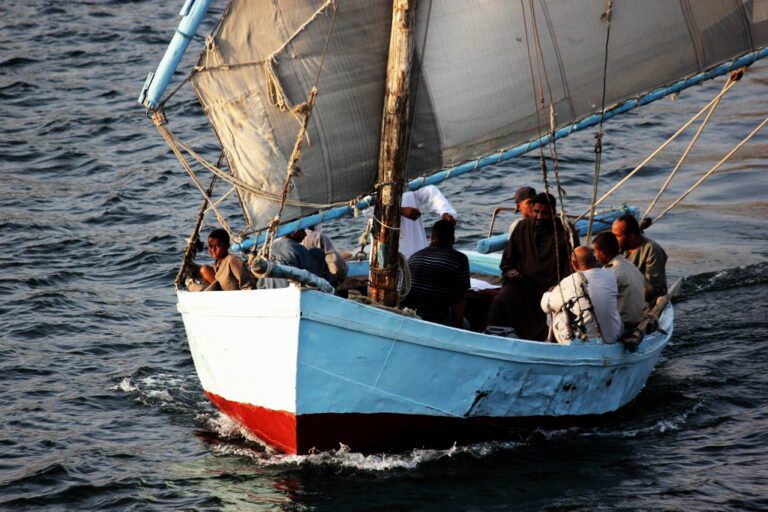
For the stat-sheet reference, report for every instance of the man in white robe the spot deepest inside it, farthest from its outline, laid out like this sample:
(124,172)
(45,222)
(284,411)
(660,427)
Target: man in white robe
(413,236)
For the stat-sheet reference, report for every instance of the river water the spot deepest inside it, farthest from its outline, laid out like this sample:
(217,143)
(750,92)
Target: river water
(100,405)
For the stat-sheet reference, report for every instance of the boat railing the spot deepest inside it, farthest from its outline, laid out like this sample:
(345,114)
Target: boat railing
(650,321)
(264,268)
(601,222)
(496,212)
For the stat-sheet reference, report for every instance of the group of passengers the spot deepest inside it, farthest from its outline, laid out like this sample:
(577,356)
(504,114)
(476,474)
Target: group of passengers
(553,288)
(600,294)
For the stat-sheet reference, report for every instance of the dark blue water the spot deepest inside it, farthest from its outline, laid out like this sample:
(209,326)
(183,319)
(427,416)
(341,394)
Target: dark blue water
(100,407)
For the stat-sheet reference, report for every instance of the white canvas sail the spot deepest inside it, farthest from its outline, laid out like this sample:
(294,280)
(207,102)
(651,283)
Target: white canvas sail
(474,94)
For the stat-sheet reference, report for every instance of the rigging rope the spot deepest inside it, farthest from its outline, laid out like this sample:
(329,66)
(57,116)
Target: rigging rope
(233,180)
(535,96)
(713,169)
(540,60)
(606,17)
(191,250)
(735,76)
(159,118)
(161,106)
(305,112)
(275,92)
(553,140)
(658,150)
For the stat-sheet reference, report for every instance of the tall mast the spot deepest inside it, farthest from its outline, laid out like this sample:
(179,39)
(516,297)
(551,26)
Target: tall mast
(392,153)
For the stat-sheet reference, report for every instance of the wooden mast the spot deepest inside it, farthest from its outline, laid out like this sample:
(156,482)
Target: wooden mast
(392,153)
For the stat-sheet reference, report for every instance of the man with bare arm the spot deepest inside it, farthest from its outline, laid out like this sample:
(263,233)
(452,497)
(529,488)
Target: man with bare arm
(228,271)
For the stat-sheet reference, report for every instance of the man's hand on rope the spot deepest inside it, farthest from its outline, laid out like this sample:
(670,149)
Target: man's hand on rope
(410,213)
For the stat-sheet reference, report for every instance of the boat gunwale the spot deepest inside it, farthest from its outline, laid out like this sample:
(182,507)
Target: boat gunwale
(473,343)
(602,355)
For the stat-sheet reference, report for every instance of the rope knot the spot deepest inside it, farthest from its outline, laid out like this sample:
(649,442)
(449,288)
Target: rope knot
(302,109)
(275,92)
(606,15)
(295,171)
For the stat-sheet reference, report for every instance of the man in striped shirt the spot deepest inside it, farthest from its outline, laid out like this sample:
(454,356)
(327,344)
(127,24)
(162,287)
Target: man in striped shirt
(439,278)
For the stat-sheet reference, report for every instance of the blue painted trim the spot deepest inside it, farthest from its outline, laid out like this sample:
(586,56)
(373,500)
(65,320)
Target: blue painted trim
(601,222)
(502,156)
(192,13)
(487,264)
(304,277)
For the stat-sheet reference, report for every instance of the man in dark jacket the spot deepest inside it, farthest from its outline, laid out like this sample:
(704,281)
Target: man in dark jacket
(536,257)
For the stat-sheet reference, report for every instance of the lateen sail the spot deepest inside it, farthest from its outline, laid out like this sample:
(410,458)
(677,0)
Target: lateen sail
(475,93)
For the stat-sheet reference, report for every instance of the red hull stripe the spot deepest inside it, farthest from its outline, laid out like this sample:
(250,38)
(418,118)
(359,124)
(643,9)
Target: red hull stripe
(376,432)
(277,428)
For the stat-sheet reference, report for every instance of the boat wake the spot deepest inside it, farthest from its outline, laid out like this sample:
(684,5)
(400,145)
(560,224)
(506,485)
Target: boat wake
(231,439)
(727,279)
(169,392)
(180,394)
(662,425)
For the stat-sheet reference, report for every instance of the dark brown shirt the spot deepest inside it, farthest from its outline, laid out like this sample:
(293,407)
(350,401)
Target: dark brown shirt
(531,251)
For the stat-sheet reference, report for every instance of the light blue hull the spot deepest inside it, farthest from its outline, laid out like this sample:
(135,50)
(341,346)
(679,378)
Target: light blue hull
(354,358)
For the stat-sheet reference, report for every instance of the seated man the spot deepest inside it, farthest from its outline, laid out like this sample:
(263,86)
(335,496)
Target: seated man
(583,304)
(530,265)
(631,283)
(439,278)
(337,266)
(228,271)
(289,251)
(523,204)
(643,253)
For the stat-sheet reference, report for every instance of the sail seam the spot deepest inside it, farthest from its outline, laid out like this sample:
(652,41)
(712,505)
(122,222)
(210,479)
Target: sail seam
(693,32)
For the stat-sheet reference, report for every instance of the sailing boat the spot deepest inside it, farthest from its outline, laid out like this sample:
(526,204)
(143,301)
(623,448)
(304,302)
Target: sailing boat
(351,89)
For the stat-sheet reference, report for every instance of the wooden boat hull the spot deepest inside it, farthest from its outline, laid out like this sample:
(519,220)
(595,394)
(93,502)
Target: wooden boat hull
(305,370)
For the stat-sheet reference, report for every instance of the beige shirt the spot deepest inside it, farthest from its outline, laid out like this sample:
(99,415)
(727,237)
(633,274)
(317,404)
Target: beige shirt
(231,274)
(631,284)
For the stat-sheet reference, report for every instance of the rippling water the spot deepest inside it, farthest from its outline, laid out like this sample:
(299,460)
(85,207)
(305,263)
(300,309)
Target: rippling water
(100,404)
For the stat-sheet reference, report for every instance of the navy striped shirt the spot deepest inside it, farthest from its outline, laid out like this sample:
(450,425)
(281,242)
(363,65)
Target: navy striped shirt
(437,273)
